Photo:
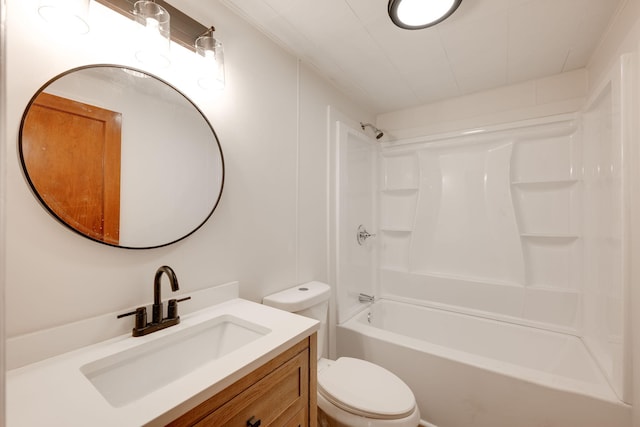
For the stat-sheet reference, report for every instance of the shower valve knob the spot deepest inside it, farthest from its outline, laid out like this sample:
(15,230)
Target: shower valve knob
(362,235)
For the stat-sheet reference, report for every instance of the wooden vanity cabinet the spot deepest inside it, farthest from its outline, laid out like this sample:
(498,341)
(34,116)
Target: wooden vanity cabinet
(282,392)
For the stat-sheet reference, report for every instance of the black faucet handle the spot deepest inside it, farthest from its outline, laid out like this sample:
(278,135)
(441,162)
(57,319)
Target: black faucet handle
(141,316)
(172,309)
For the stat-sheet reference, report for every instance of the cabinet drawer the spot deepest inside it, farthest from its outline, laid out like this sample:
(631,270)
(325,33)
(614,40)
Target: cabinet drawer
(298,420)
(274,400)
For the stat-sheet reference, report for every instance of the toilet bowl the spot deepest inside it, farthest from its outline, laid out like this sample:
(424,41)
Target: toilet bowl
(351,392)
(354,393)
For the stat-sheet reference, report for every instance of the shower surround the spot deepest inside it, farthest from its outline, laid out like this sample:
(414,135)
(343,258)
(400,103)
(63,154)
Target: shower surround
(520,224)
(525,224)
(487,222)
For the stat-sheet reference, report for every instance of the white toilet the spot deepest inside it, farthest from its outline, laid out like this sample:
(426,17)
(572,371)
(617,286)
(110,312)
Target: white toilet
(351,392)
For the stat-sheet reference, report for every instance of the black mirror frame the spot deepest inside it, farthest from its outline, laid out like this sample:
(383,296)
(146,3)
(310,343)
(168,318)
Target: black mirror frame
(52,213)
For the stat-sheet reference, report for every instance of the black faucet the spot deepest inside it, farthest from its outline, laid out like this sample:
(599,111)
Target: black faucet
(157,303)
(142,327)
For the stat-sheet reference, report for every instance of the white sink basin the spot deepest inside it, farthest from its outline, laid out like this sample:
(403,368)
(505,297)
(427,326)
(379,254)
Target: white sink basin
(151,380)
(133,373)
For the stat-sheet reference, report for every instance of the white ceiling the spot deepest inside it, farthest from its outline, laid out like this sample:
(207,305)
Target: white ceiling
(484,44)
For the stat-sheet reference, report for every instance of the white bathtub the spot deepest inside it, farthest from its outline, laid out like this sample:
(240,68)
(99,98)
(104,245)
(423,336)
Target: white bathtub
(468,371)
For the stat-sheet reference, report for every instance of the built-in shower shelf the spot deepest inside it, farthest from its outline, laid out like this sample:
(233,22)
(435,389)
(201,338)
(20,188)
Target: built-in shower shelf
(392,229)
(549,236)
(562,183)
(400,190)
(553,289)
(394,269)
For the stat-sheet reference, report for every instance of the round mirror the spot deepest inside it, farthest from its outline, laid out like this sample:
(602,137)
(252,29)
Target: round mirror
(121,157)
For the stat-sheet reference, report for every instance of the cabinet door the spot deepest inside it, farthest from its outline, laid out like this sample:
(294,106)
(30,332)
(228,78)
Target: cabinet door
(275,400)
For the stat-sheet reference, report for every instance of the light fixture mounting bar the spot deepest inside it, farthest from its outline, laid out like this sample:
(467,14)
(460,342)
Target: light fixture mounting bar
(184,29)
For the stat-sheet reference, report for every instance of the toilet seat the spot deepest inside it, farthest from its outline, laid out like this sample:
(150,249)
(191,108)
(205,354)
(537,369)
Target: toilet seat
(363,388)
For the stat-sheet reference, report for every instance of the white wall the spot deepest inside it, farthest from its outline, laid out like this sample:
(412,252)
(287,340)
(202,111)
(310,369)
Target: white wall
(271,121)
(624,37)
(3,160)
(314,139)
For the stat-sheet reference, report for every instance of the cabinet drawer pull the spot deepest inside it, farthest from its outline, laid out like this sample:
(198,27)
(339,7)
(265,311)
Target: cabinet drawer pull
(252,423)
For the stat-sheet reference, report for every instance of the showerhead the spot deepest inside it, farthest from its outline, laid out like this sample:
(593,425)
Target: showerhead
(377,132)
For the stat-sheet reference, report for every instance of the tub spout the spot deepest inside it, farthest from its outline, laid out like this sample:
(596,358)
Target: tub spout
(366,298)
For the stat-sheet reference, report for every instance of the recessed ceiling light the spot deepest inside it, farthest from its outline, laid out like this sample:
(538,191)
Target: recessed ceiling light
(418,14)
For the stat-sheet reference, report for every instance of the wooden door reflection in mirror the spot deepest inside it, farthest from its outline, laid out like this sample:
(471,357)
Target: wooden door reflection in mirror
(72,153)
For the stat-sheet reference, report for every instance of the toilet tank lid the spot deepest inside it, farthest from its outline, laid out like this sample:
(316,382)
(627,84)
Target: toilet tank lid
(299,297)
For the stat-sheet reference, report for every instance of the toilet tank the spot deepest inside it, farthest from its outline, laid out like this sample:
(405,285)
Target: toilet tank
(309,299)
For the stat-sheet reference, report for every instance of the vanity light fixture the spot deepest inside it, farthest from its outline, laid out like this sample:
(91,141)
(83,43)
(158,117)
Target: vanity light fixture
(212,60)
(181,29)
(69,16)
(154,33)
(418,14)
(184,30)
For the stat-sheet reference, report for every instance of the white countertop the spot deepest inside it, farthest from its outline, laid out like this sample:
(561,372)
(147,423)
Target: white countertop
(55,392)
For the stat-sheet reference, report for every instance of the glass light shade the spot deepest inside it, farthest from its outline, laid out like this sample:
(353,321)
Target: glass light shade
(212,62)
(418,14)
(69,16)
(154,33)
